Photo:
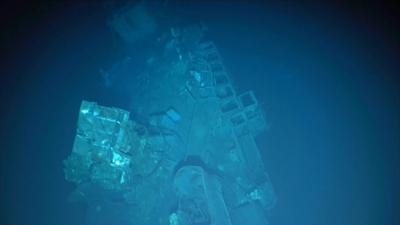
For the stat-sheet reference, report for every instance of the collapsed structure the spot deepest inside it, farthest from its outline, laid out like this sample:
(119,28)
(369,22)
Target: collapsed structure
(187,155)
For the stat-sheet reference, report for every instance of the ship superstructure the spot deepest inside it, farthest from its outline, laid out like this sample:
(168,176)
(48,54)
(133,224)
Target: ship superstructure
(185,154)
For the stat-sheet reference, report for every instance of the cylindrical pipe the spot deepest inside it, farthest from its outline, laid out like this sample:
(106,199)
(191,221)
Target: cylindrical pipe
(192,182)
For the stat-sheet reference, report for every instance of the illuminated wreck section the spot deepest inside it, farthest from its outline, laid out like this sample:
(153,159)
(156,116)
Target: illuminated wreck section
(187,157)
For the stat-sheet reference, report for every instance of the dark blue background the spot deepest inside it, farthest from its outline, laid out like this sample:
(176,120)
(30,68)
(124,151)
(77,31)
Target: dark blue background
(327,75)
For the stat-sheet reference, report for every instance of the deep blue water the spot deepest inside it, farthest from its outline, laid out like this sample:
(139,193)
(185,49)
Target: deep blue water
(327,76)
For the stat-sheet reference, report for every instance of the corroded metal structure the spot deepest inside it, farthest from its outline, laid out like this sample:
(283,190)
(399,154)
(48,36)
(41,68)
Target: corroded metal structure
(187,155)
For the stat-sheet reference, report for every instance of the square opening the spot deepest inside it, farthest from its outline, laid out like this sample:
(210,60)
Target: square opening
(247,99)
(221,78)
(224,92)
(229,106)
(238,120)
